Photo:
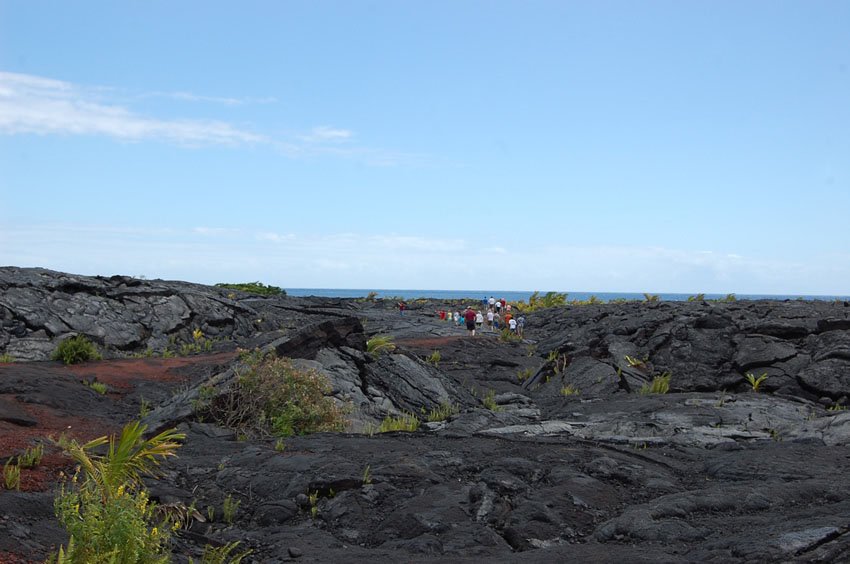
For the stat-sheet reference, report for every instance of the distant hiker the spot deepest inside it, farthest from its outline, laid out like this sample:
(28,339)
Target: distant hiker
(469,315)
(512,324)
(496,319)
(490,319)
(401,306)
(498,306)
(492,303)
(442,315)
(504,303)
(458,319)
(479,319)
(520,325)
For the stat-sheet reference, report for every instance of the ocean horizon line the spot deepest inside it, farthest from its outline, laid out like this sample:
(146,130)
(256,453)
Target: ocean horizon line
(517,295)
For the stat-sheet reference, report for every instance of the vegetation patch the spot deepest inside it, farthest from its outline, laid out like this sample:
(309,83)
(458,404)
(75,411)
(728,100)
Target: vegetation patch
(257,288)
(659,385)
(98,387)
(6,358)
(442,412)
(435,358)
(489,401)
(405,422)
(31,457)
(105,507)
(272,397)
(380,344)
(225,554)
(75,350)
(12,475)
(536,301)
(756,381)
(569,391)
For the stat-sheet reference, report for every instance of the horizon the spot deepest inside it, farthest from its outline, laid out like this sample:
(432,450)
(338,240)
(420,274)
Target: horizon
(696,147)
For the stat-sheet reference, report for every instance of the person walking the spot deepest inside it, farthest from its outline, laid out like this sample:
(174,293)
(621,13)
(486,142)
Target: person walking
(469,315)
(520,325)
(490,319)
(479,320)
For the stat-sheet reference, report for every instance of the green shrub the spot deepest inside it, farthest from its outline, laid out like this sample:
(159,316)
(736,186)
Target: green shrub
(107,511)
(405,422)
(435,358)
(75,350)
(380,344)
(592,300)
(524,374)
(274,398)
(652,298)
(6,358)
(660,385)
(257,288)
(536,301)
(696,298)
(98,387)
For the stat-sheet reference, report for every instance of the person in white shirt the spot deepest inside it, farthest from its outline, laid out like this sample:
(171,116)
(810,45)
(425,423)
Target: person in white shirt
(512,324)
(490,320)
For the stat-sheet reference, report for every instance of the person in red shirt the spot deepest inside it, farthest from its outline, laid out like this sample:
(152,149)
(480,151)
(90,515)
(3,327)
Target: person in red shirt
(469,316)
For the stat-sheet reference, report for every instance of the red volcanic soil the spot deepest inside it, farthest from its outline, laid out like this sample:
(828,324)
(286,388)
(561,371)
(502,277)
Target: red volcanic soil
(40,400)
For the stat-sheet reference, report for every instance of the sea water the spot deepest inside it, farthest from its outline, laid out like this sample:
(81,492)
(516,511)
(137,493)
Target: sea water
(513,296)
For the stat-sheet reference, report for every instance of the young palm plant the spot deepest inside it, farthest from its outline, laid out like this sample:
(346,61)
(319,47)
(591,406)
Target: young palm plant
(107,512)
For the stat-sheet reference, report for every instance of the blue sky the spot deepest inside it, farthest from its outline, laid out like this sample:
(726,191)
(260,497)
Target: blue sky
(573,146)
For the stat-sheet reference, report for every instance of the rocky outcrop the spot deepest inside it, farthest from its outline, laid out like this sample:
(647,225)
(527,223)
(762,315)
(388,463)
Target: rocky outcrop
(39,307)
(802,347)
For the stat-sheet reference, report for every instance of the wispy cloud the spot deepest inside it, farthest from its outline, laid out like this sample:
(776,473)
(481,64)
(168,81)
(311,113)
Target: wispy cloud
(274,237)
(325,134)
(215,231)
(44,106)
(225,100)
(32,104)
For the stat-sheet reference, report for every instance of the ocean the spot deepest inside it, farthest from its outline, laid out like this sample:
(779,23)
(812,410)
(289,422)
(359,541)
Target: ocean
(514,296)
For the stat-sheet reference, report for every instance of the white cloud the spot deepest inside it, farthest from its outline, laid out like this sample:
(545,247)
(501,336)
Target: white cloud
(325,134)
(227,101)
(32,104)
(274,237)
(43,106)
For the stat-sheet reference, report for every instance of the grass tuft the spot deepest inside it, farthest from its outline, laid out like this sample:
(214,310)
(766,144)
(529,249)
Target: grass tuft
(380,344)
(405,422)
(659,385)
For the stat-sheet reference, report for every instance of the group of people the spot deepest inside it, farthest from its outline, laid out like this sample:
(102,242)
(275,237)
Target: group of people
(494,317)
